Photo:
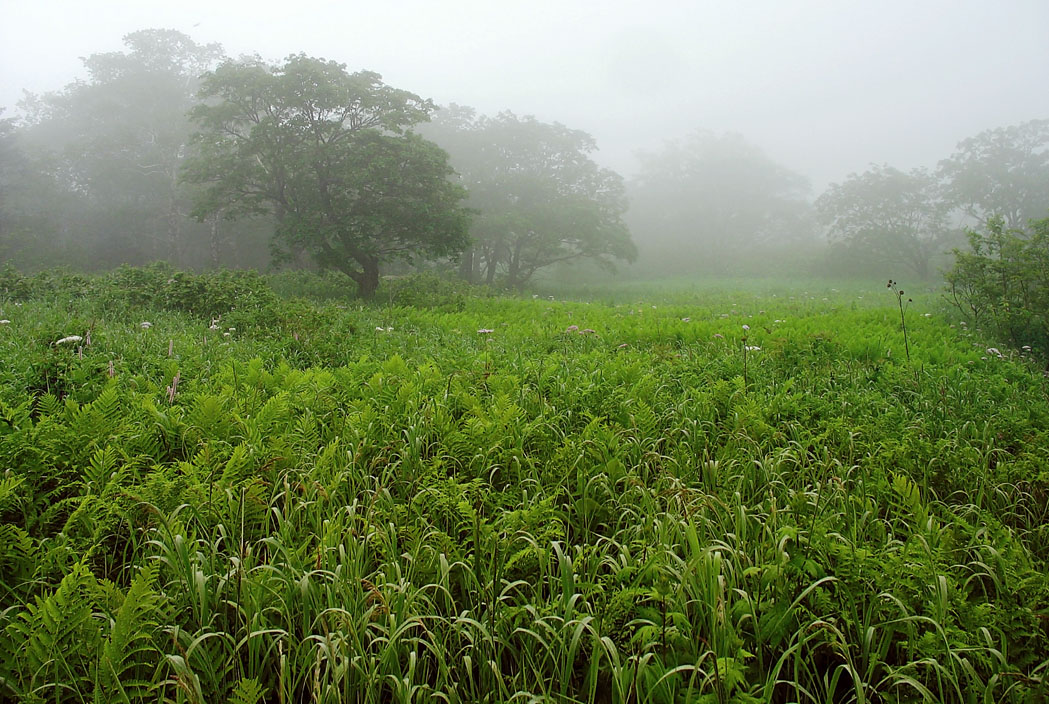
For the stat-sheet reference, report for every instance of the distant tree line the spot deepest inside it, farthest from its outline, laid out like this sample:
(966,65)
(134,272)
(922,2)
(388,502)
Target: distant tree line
(172,151)
(912,219)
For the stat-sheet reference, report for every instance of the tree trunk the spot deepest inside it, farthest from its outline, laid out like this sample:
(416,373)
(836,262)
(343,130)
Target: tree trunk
(174,218)
(215,241)
(367,278)
(514,266)
(490,263)
(466,266)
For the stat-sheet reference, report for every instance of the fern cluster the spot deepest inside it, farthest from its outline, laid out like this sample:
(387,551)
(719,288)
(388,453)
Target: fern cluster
(388,506)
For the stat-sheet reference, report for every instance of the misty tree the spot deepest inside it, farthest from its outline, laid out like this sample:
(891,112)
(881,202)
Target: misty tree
(539,198)
(11,170)
(890,216)
(330,155)
(117,142)
(33,233)
(1002,172)
(711,199)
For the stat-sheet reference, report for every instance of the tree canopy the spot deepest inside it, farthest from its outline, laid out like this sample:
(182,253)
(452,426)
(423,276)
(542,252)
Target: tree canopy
(329,154)
(114,144)
(540,198)
(893,216)
(1002,172)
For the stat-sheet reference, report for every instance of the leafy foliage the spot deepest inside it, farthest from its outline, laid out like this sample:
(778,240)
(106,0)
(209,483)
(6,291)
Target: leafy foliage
(327,154)
(1002,282)
(387,504)
(93,179)
(894,217)
(1001,173)
(539,197)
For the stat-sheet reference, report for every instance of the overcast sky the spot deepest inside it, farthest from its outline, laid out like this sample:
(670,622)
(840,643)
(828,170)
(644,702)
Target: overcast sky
(824,87)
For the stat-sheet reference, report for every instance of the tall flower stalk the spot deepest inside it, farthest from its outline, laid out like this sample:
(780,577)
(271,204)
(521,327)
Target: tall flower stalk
(903,318)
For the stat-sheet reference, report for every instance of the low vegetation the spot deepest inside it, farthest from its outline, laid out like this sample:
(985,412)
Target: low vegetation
(1002,282)
(699,495)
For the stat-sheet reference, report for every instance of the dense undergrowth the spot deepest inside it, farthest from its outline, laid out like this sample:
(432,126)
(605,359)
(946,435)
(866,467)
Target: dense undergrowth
(515,500)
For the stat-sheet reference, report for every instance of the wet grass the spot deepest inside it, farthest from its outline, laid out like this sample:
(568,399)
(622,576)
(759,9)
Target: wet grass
(383,504)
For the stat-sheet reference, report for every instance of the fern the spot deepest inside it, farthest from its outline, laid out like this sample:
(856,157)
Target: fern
(237,467)
(48,405)
(9,494)
(129,648)
(17,558)
(247,691)
(56,637)
(101,468)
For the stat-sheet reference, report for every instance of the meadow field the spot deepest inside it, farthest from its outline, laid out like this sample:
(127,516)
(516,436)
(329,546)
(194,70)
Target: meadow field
(729,492)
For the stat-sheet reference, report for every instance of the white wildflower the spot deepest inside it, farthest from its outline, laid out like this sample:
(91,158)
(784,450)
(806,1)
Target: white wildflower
(994,351)
(145,325)
(485,331)
(71,338)
(746,327)
(5,321)
(753,348)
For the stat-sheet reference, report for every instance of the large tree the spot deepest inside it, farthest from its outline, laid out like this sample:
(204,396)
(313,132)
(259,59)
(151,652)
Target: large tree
(116,142)
(330,155)
(539,197)
(1002,173)
(889,216)
(715,200)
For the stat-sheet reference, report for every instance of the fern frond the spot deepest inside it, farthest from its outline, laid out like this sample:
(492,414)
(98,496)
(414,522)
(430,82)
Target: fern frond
(100,469)
(58,636)
(9,494)
(237,466)
(17,557)
(130,643)
(247,691)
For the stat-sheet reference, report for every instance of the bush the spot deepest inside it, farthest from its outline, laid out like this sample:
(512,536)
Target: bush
(317,286)
(45,284)
(242,294)
(427,290)
(1002,283)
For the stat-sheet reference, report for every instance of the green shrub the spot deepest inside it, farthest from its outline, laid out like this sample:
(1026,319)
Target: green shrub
(1002,283)
(317,286)
(427,290)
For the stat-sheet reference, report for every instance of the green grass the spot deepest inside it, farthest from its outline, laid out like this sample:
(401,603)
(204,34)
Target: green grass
(648,512)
